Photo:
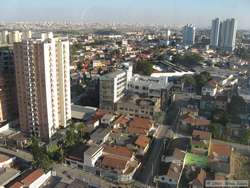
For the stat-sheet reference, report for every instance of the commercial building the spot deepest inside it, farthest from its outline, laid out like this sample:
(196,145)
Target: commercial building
(43,85)
(112,88)
(189,35)
(147,86)
(8,98)
(133,105)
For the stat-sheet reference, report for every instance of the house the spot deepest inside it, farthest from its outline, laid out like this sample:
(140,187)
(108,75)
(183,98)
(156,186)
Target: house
(119,159)
(210,88)
(200,142)
(34,179)
(142,142)
(107,119)
(100,135)
(219,157)
(190,109)
(196,122)
(199,181)
(174,172)
(120,122)
(92,154)
(6,161)
(140,126)
(75,158)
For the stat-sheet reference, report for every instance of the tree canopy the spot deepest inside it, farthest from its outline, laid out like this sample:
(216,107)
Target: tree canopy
(188,59)
(143,68)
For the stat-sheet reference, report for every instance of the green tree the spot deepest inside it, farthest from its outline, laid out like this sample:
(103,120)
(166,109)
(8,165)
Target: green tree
(71,136)
(201,79)
(79,66)
(237,105)
(216,130)
(143,68)
(41,158)
(188,59)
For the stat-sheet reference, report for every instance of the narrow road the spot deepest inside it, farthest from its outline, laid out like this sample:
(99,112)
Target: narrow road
(150,168)
(20,154)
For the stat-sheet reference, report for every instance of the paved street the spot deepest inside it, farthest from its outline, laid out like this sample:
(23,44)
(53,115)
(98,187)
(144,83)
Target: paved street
(21,154)
(150,168)
(68,174)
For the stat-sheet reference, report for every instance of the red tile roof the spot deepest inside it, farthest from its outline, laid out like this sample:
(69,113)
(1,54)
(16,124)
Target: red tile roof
(119,151)
(142,141)
(121,120)
(16,185)
(203,135)
(134,130)
(113,162)
(142,123)
(32,177)
(194,121)
(220,150)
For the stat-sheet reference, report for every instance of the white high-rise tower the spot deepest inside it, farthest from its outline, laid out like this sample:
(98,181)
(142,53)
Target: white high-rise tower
(215,31)
(43,85)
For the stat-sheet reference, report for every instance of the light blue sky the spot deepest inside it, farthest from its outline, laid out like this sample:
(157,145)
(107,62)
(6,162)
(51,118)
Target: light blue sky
(168,12)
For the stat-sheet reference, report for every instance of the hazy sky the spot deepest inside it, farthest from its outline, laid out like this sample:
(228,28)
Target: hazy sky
(167,12)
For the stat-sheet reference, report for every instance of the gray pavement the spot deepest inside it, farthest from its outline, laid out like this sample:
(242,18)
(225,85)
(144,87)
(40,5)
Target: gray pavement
(18,153)
(150,168)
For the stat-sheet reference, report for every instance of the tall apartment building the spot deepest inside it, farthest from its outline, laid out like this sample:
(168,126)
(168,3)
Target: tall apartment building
(43,85)
(4,37)
(215,31)
(14,36)
(189,35)
(8,98)
(223,34)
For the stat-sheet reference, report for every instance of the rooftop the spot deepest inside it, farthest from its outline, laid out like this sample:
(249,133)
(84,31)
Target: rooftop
(121,151)
(203,135)
(113,162)
(142,141)
(220,150)
(33,176)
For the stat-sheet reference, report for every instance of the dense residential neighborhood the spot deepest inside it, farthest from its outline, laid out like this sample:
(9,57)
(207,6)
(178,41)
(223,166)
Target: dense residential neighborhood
(124,106)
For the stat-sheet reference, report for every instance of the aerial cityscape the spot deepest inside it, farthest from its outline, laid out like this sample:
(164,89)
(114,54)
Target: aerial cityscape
(124,94)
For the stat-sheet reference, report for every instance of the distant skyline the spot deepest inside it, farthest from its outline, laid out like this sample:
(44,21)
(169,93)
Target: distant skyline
(173,13)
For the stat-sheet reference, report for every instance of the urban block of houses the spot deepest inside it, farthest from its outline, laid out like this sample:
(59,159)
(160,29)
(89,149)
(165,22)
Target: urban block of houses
(140,126)
(119,159)
(218,84)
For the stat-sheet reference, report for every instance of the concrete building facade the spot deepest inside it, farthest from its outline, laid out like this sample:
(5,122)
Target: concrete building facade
(43,85)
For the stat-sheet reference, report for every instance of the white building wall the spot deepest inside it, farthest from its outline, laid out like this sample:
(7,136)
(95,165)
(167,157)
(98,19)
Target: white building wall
(41,180)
